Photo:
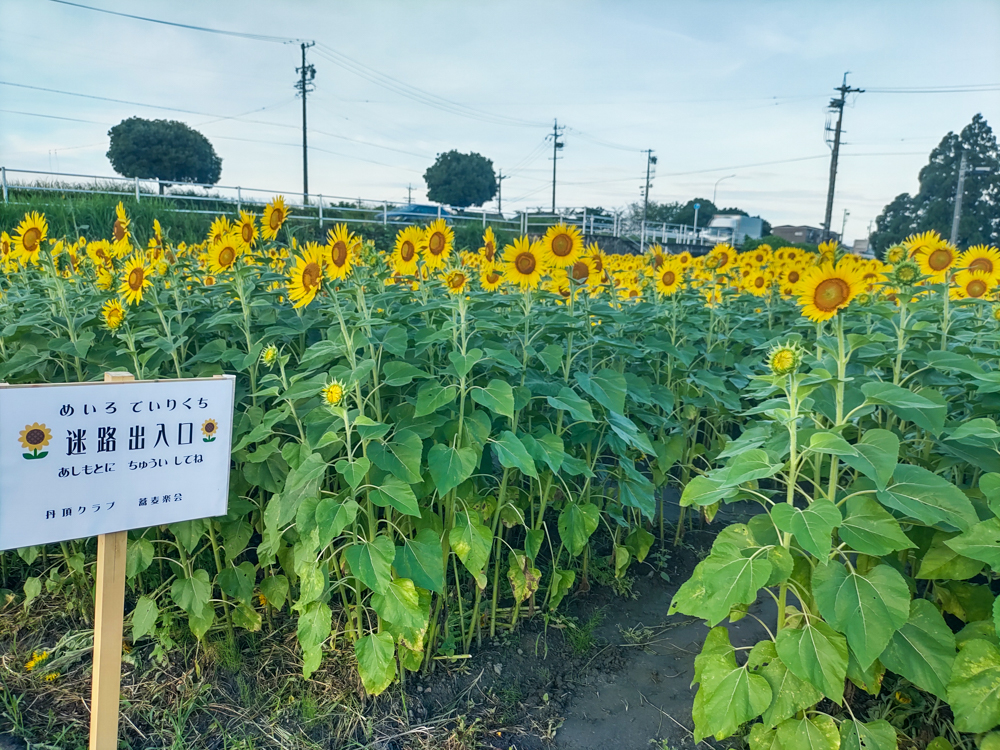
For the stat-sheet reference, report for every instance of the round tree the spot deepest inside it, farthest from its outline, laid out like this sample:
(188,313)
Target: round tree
(163,149)
(461,180)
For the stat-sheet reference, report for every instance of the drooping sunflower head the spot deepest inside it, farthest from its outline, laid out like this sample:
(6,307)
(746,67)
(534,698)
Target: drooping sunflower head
(222,255)
(972,284)
(29,236)
(332,393)
(784,359)
(135,279)
(828,250)
(437,244)
(657,256)
(456,281)
(523,263)
(306,277)
(582,272)
(342,247)
(488,251)
(981,258)
(119,228)
(406,252)
(113,314)
(825,290)
(247,227)
(270,355)
(275,214)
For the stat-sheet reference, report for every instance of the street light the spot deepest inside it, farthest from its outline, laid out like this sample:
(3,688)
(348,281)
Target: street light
(717,185)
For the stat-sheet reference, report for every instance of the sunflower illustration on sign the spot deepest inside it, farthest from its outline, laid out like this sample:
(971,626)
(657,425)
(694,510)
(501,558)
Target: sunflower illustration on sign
(33,438)
(209,429)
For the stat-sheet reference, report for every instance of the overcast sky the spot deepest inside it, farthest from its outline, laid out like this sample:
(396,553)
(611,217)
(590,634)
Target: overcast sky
(715,88)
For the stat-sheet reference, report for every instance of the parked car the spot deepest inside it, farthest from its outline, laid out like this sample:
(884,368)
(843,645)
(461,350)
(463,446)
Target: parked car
(417,213)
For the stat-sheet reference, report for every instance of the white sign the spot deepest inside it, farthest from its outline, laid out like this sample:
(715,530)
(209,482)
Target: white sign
(84,459)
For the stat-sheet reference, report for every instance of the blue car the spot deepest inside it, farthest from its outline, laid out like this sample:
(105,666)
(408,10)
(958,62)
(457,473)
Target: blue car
(417,213)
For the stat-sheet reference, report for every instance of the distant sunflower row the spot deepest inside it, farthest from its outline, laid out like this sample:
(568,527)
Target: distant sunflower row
(558,262)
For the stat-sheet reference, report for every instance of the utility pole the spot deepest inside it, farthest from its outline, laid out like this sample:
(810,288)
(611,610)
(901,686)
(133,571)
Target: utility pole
(409,193)
(843,225)
(304,85)
(500,179)
(836,105)
(556,145)
(959,192)
(650,163)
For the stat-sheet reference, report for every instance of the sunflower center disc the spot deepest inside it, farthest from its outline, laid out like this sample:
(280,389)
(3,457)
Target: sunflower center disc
(759,282)
(340,253)
(668,278)
(976,288)
(580,271)
(274,221)
(436,243)
(562,245)
(939,259)
(135,279)
(247,233)
(118,230)
(227,256)
(831,294)
(407,251)
(981,264)
(490,251)
(310,276)
(525,263)
(30,239)
(793,277)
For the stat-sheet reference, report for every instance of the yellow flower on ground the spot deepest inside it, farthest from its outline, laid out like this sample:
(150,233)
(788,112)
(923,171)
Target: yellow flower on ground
(341,249)
(437,244)
(562,245)
(247,228)
(523,261)
(275,215)
(119,229)
(28,238)
(52,677)
(306,276)
(113,314)
(488,251)
(456,281)
(825,290)
(972,284)
(332,393)
(406,252)
(981,258)
(222,255)
(490,277)
(136,280)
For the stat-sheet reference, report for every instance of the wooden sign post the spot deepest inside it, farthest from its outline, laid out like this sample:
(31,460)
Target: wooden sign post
(98,459)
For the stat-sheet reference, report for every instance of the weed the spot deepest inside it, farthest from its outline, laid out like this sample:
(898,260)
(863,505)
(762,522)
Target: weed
(581,637)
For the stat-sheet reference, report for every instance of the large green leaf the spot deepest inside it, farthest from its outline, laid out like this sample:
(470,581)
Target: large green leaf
(395,493)
(144,617)
(333,516)
(522,576)
(138,556)
(868,608)
(789,694)
(376,661)
(876,456)
(942,562)
(314,626)
(981,542)
(420,559)
(471,541)
(577,522)
(635,490)
(371,562)
(192,594)
(817,654)
(431,396)
(813,732)
(353,471)
(449,466)
(607,387)
(704,490)
(304,481)
(913,407)
(923,649)
(749,465)
(568,401)
(238,581)
(731,579)
(813,527)
(831,443)
(497,396)
(872,735)
(399,604)
(275,590)
(400,456)
(728,696)
(871,529)
(464,362)
(927,497)
(974,688)
(510,452)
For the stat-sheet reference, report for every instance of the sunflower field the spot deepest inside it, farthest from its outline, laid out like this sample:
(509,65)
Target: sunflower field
(433,443)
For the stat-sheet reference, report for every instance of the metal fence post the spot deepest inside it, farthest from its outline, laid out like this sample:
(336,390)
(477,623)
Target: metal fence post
(385,213)
(136,189)
(484,218)
(439,212)
(3,178)
(321,211)
(239,200)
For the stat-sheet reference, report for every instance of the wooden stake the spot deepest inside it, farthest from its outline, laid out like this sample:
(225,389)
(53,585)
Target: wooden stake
(109,619)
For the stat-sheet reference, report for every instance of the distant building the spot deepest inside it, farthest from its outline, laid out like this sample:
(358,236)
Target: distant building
(860,247)
(735,227)
(809,235)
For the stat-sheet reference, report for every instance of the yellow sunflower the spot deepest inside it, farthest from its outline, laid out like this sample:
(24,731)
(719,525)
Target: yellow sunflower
(523,261)
(791,276)
(436,244)
(332,393)
(596,256)
(668,279)
(222,255)
(221,226)
(8,261)
(720,257)
(895,254)
(981,258)
(937,259)
(275,215)
(456,281)
(247,227)
(113,314)
(136,279)
(490,277)
(758,283)
(28,238)
(657,256)
(825,290)
(488,251)
(582,272)
(562,245)
(341,247)
(157,239)
(919,243)
(119,229)
(406,251)
(306,276)
(972,284)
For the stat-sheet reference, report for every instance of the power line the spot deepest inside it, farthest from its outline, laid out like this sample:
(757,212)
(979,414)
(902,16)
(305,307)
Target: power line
(966,89)
(240,34)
